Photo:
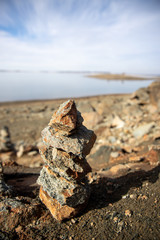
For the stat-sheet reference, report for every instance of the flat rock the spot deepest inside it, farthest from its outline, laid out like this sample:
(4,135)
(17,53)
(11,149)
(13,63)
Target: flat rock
(58,211)
(62,190)
(92,119)
(143,129)
(79,143)
(64,163)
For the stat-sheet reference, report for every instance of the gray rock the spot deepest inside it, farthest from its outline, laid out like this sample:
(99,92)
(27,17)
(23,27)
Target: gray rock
(143,129)
(4,188)
(62,189)
(5,140)
(114,154)
(79,143)
(141,95)
(111,139)
(102,155)
(64,163)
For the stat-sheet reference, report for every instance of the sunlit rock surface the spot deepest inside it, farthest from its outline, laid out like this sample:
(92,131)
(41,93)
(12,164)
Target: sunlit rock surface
(64,187)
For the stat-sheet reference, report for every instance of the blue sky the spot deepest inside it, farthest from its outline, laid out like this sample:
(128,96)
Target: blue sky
(95,35)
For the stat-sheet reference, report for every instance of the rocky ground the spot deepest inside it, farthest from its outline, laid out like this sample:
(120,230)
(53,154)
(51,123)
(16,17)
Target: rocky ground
(124,202)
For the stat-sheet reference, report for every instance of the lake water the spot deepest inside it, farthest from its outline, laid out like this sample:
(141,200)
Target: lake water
(31,86)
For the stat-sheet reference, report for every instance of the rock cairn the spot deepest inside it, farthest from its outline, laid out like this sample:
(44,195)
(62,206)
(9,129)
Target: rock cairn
(64,186)
(5,140)
(4,188)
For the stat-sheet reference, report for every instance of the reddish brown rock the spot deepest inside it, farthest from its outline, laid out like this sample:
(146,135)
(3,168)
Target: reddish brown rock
(58,211)
(65,118)
(64,186)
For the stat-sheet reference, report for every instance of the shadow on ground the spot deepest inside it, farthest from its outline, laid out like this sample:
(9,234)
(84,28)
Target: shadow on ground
(109,190)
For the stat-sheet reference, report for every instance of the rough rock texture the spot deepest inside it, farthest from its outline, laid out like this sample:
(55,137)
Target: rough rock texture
(4,188)
(64,187)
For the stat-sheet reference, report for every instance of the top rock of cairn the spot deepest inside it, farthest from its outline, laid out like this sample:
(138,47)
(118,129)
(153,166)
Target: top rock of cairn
(64,120)
(64,186)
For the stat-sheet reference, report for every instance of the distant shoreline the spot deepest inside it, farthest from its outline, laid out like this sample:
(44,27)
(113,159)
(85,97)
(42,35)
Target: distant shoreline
(34,101)
(110,76)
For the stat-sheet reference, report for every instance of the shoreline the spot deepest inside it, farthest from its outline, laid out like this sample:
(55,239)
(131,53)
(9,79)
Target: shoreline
(121,77)
(16,102)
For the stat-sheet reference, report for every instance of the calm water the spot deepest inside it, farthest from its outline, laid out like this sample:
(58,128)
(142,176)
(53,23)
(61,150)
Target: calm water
(28,86)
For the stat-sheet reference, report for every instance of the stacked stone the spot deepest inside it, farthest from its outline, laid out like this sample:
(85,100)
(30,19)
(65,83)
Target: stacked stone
(64,187)
(5,140)
(4,188)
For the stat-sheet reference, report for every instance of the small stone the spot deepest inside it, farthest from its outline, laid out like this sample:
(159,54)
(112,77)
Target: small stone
(117,122)
(73,221)
(92,119)
(32,153)
(144,197)
(111,139)
(143,129)
(114,154)
(18,229)
(128,213)
(133,196)
(120,226)
(119,169)
(115,219)
(125,196)
(65,118)
(20,151)
(5,140)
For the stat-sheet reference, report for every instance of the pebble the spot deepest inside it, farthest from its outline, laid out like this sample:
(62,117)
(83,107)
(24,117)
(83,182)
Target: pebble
(20,151)
(120,226)
(32,153)
(125,196)
(73,221)
(128,213)
(115,219)
(133,196)
(114,154)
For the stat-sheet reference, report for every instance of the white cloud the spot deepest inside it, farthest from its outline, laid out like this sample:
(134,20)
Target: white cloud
(61,35)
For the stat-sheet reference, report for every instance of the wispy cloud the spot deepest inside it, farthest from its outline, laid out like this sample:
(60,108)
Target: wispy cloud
(80,35)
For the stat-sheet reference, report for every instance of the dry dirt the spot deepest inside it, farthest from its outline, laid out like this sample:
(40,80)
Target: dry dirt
(125,181)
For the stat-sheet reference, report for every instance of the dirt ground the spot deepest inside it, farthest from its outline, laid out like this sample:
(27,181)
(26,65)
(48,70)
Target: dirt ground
(124,202)
(120,208)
